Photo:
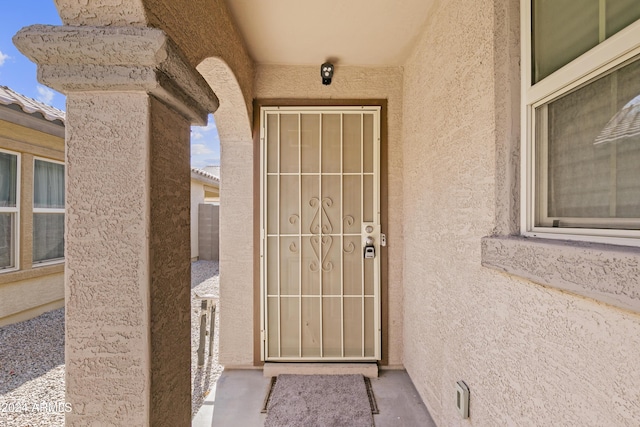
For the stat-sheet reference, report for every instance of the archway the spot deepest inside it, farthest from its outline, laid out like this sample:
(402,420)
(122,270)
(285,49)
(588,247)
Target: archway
(132,93)
(237,248)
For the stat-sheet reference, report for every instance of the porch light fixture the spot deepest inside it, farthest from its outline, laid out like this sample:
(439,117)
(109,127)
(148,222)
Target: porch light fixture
(326,71)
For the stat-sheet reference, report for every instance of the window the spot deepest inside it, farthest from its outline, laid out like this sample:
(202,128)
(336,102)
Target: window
(581,113)
(48,211)
(9,208)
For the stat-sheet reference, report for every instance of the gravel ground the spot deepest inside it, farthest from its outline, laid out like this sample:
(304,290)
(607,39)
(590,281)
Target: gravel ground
(32,361)
(32,371)
(204,280)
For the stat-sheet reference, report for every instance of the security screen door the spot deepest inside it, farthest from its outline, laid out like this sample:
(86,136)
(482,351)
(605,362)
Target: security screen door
(320,232)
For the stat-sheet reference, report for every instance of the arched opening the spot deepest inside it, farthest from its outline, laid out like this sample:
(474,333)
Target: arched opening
(237,248)
(127,147)
(233,115)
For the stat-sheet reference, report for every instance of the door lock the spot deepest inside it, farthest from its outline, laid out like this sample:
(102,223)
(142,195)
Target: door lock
(369,252)
(370,232)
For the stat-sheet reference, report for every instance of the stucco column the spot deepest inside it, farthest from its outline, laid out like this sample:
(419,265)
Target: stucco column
(130,101)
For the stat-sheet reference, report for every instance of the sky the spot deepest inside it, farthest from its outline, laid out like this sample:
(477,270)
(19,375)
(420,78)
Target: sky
(19,73)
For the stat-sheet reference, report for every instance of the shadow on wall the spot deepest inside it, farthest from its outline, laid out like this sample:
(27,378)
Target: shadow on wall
(208,232)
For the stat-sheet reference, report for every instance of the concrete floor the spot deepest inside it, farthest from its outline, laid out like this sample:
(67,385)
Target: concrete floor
(239,396)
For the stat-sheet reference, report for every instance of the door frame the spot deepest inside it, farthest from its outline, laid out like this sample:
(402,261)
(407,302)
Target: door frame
(383,194)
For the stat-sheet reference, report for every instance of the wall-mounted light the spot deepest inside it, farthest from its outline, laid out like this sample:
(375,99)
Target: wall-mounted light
(326,71)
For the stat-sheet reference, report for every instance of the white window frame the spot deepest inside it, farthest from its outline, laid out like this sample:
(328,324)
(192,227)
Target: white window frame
(607,55)
(16,212)
(35,210)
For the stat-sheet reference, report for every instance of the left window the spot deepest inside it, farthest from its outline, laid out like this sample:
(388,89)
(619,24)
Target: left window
(9,209)
(48,211)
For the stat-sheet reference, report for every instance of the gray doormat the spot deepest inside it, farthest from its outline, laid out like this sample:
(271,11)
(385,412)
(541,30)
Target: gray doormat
(319,401)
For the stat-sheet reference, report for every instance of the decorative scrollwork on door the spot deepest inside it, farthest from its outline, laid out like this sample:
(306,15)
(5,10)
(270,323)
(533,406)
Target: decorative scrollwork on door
(320,263)
(349,248)
(321,216)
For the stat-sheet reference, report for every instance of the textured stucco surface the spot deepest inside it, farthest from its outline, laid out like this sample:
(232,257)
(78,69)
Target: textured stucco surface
(236,245)
(233,117)
(530,355)
(197,197)
(127,284)
(506,62)
(123,59)
(211,32)
(236,253)
(131,97)
(606,273)
(170,264)
(108,376)
(236,214)
(102,13)
(352,83)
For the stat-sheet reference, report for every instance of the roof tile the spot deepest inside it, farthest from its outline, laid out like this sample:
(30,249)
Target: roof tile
(30,105)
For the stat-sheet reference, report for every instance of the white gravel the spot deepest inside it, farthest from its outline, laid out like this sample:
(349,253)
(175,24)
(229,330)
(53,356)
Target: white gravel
(32,361)
(32,371)
(204,280)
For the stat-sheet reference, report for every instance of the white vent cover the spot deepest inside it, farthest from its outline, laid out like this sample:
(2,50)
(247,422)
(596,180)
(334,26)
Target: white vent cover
(462,399)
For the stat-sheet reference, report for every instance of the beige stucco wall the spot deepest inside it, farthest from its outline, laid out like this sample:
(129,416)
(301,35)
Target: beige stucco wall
(209,232)
(531,355)
(236,253)
(197,197)
(24,299)
(349,83)
(28,291)
(170,286)
(131,97)
(128,295)
(236,243)
(211,32)
(107,325)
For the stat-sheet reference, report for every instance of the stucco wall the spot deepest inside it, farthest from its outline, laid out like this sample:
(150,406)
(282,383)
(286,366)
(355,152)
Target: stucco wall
(107,323)
(236,253)
(170,268)
(127,325)
(24,299)
(530,355)
(209,232)
(211,31)
(28,291)
(291,82)
(197,197)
